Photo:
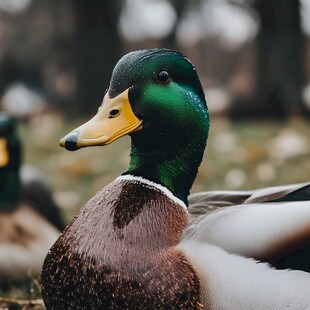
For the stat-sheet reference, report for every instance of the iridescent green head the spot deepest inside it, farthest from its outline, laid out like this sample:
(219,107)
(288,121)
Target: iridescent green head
(156,97)
(10,157)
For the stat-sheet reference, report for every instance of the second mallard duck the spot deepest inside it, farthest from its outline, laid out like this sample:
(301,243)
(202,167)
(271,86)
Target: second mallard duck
(131,246)
(30,220)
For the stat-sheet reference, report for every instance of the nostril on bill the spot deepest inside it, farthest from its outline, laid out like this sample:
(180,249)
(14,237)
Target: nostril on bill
(71,141)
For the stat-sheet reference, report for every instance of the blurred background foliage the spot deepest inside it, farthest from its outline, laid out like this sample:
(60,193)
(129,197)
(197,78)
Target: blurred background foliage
(253,59)
(253,56)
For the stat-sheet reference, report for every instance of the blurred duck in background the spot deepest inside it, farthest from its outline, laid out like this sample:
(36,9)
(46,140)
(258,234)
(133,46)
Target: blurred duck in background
(30,220)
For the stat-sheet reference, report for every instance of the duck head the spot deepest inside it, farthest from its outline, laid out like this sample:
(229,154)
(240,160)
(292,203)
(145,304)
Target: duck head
(10,158)
(154,96)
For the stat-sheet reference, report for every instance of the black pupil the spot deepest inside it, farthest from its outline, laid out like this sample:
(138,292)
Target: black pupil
(114,112)
(163,76)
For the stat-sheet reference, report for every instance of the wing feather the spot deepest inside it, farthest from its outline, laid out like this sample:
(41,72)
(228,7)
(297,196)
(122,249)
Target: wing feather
(204,202)
(266,232)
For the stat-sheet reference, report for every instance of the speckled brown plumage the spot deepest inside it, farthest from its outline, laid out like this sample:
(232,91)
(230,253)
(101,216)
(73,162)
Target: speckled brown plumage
(119,253)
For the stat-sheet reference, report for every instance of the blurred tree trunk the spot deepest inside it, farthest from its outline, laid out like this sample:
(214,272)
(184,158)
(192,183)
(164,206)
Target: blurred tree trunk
(280,73)
(98,49)
(179,6)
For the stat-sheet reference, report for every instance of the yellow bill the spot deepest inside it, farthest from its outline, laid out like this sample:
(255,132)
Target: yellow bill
(113,120)
(4,154)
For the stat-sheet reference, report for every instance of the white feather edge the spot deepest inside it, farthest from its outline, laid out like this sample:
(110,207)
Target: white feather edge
(151,184)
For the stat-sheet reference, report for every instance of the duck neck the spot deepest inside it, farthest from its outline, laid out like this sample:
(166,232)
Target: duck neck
(10,182)
(9,192)
(172,163)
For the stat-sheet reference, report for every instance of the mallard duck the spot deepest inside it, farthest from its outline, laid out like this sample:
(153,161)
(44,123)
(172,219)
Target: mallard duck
(30,221)
(133,246)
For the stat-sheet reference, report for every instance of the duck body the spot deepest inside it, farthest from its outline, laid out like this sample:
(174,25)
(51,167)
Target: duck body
(133,245)
(24,239)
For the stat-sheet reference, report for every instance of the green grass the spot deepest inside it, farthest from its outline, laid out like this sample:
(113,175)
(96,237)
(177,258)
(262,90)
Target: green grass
(22,292)
(239,155)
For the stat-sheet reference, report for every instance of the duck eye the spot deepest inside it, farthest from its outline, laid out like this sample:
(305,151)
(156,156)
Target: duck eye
(114,113)
(163,77)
